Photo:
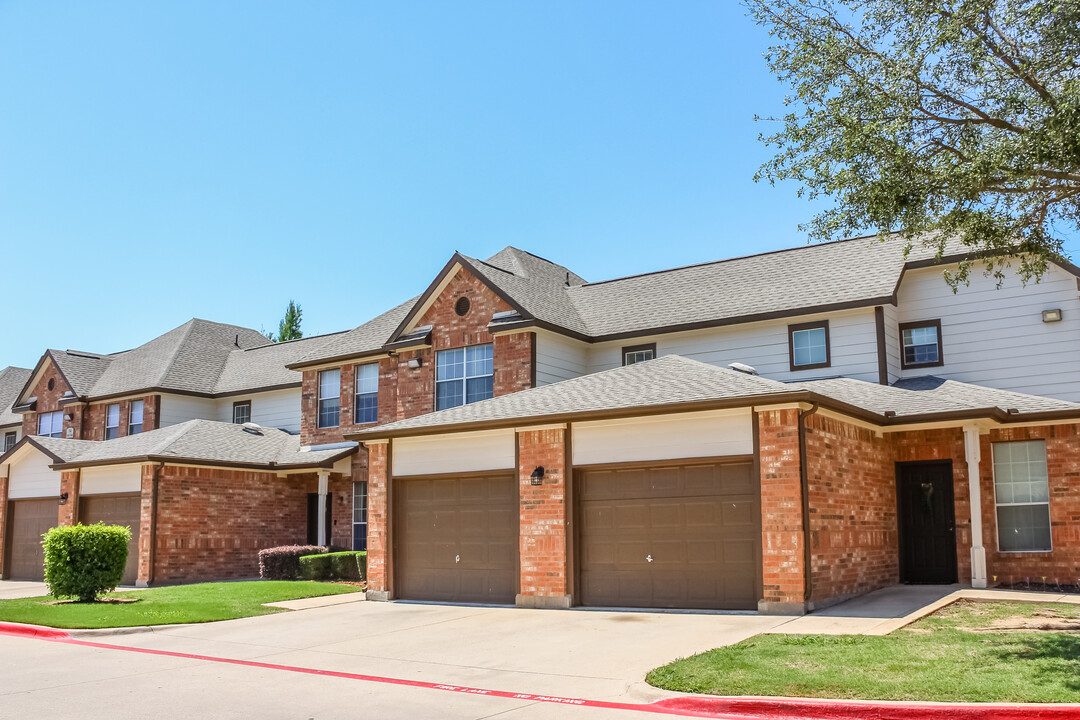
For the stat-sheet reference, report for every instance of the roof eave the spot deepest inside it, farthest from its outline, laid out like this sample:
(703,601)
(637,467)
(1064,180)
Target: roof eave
(271,466)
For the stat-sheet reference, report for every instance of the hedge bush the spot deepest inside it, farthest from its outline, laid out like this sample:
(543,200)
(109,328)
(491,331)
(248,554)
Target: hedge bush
(283,563)
(334,566)
(85,561)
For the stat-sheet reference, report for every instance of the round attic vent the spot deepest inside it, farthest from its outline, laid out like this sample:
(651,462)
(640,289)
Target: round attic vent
(52,383)
(461,307)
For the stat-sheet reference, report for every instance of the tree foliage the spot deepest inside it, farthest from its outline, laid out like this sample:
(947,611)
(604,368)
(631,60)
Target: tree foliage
(951,118)
(289,327)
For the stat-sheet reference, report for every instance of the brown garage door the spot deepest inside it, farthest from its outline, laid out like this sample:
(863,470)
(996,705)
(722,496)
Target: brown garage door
(115,510)
(28,519)
(456,539)
(670,536)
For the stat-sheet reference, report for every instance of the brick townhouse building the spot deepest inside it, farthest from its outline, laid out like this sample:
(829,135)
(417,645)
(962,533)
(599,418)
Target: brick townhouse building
(774,432)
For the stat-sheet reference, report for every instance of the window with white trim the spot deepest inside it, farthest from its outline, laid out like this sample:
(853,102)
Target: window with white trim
(51,424)
(241,412)
(359,515)
(367,394)
(112,421)
(9,440)
(1022,496)
(329,398)
(464,375)
(135,417)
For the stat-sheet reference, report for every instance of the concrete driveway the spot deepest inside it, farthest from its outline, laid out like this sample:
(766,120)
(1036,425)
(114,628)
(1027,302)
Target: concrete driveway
(576,654)
(13,589)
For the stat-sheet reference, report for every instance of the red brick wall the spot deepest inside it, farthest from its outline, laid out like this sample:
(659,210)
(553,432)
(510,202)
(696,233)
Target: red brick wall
(853,513)
(543,540)
(69,511)
(781,507)
(1062,565)
(49,401)
(146,522)
(211,523)
(407,392)
(93,417)
(378,578)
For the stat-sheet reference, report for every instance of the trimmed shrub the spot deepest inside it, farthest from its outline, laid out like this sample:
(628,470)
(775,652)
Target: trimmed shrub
(283,563)
(334,566)
(85,561)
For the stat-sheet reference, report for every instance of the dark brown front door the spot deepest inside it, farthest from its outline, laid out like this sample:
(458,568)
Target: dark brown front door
(927,522)
(456,539)
(670,536)
(27,520)
(116,510)
(313,518)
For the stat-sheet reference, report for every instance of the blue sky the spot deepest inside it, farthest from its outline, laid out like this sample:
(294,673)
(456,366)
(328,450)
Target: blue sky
(213,160)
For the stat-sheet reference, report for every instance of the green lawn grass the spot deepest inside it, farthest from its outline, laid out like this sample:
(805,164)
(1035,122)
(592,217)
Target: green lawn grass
(205,602)
(942,657)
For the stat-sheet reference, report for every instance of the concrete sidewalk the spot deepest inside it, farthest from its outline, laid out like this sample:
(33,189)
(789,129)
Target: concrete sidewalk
(891,608)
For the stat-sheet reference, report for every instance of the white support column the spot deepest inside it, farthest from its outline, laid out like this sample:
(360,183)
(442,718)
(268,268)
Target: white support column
(973,455)
(324,483)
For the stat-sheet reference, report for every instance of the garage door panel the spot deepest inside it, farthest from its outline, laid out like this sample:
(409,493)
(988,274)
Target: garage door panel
(28,520)
(124,510)
(697,521)
(467,552)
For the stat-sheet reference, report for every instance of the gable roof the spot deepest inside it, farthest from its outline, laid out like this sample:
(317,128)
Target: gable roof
(200,357)
(12,380)
(195,442)
(673,383)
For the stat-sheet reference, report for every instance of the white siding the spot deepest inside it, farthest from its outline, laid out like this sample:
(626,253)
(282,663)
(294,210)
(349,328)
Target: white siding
(664,437)
(559,358)
(892,342)
(462,452)
(276,409)
(996,337)
(764,345)
(110,479)
(176,409)
(30,476)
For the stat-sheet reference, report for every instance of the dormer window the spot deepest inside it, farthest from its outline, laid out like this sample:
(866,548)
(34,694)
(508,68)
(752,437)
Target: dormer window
(464,375)
(638,353)
(920,343)
(808,345)
(241,412)
(51,424)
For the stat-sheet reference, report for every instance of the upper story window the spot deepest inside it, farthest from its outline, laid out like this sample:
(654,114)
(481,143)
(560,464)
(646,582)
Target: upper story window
(241,412)
(112,421)
(367,394)
(135,417)
(51,424)
(1022,496)
(329,398)
(638,353)
(9,440)
(920,343)
(808,345)
(464,375)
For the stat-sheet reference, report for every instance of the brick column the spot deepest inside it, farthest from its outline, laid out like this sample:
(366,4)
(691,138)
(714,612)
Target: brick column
(543,520)
(147,525)
(3,513)
(379,567)
(782,533)
(69,511)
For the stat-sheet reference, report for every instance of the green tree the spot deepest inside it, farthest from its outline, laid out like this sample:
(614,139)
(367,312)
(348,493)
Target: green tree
(289,327)
(934,118)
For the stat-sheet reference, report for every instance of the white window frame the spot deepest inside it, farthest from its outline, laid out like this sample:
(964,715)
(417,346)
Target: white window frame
(323,398)
(237,405)
(13,437)
(116,425)
(363,510)
(53,416)
(141,405)
(465,376)
(997,522)
(356,388)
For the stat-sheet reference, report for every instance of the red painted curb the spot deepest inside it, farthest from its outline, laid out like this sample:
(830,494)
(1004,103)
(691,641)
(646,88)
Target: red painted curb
(814,709)
(32,631)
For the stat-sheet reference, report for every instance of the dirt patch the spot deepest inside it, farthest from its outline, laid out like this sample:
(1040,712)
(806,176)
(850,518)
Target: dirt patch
(1043,620)
(104,601)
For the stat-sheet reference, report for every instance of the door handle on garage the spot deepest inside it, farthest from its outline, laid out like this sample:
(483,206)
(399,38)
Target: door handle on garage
(457,558)
(648,558)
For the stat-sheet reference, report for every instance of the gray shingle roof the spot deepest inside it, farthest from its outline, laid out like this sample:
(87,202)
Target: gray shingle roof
(369,337)
(202,441)
(12,380)
(669,380)
(264,366)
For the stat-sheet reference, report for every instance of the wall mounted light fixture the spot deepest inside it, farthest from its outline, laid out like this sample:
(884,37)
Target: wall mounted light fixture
(63,498)
(1051,316)
(537,477)
(414,363)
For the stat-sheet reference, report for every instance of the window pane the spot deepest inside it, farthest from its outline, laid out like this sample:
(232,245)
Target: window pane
(477,389)
(9,441)
(51,424)
(809,346)
(367,379)
(328,412)
(450,364)
(637,356)
(1024,527)
(329,384)
(367,408)
(137,412)
(111,433)
(449,394)
(242,413)
(921,345)
(1020,473)
(479,361)
(112,416)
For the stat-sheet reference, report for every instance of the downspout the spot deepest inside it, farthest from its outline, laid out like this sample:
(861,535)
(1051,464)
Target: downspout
(804,479)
